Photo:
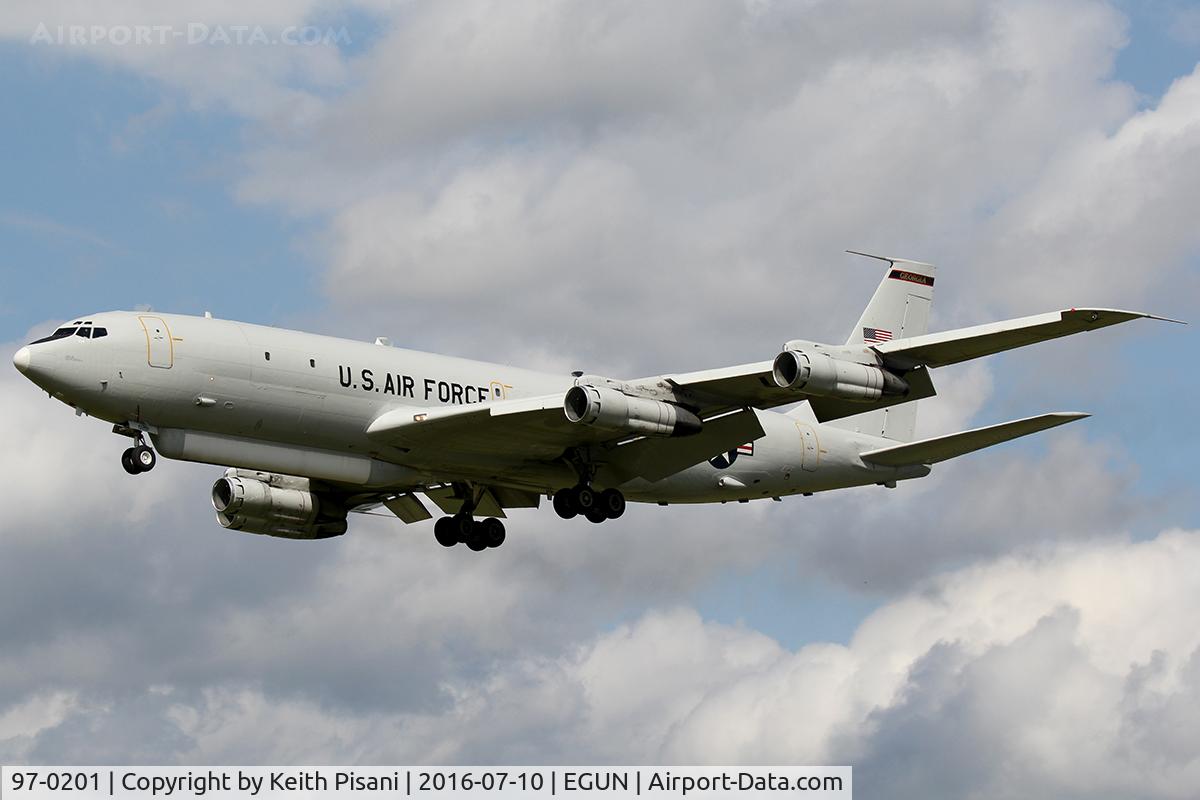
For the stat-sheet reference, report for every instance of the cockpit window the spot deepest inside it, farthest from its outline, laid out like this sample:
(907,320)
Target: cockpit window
(98,332)
(61,333)
(84,332)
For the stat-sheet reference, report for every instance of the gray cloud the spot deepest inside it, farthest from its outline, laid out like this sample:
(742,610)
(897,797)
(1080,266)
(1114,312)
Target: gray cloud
(1030,675)
(469,164)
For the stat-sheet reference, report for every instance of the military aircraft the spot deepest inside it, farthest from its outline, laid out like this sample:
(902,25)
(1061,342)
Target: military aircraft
(313,427)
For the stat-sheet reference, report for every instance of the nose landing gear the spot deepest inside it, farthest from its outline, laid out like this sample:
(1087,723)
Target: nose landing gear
(138,459)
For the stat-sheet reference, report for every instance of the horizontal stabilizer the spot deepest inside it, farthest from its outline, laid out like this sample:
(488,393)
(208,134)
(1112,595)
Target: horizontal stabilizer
(952,347)
(941,448)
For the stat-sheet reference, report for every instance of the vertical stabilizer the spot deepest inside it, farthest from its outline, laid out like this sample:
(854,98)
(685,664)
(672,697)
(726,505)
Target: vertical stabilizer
(899,309)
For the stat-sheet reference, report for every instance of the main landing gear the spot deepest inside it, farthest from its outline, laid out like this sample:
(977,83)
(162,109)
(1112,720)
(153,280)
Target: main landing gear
(463,527)
(138,459)
(476,534)
(583,500)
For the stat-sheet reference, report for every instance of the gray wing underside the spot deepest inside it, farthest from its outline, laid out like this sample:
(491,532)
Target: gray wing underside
(750,385)
(526,429)
(536,430)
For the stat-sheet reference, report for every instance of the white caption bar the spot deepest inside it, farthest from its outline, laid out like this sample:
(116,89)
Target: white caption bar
(388,783)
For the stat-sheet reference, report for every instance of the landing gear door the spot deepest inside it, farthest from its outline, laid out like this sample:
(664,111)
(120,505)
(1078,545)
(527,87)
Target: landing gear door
(160,350)
(809,456)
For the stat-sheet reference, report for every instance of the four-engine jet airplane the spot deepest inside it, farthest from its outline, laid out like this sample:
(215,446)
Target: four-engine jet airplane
(312,427)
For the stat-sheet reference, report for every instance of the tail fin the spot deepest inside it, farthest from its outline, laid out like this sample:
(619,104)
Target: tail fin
(899,309)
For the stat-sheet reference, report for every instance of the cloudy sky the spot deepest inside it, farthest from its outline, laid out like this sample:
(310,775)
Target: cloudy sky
(627,188)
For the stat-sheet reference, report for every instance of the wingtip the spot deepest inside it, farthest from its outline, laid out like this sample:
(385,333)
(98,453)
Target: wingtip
(1062,417)
(1166,319)
(1129,314)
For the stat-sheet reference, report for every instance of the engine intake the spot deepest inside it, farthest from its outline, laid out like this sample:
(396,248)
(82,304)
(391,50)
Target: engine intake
(256,506)
(819,374)
(616,411)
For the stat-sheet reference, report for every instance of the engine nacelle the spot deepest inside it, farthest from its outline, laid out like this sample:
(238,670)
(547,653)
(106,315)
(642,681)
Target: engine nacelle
(616,411)
(257,506)
(819,374)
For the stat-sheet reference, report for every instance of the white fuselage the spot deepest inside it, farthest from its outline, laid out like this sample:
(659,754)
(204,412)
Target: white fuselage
(264,398)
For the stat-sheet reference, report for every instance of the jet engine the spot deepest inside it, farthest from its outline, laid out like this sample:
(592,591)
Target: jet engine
(616,411)
(265,505)
(820,374)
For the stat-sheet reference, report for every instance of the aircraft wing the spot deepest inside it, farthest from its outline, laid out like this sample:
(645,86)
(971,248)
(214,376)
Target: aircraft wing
(716,391)
(655,459)
(537,429)
(951,347)
(724,389)
(526,428)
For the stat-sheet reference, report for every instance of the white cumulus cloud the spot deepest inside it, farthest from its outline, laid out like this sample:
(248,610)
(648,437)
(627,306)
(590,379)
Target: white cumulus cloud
(1048,674)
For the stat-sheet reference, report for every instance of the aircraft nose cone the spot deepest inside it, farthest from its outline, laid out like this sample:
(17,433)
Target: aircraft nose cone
(21,360)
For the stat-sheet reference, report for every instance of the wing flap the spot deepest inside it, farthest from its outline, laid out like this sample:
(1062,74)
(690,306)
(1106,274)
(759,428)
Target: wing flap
(655,459)
(408,508)
(450,501)
(414,424)
(528,428)
(964,344)
(941,448)
(920,387)
(508,497)
(492,500)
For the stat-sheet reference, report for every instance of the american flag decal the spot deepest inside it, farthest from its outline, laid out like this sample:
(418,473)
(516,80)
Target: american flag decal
(746,449)
(876,335)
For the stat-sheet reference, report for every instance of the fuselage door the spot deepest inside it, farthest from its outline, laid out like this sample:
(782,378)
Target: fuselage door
(808,438)
(160,350)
